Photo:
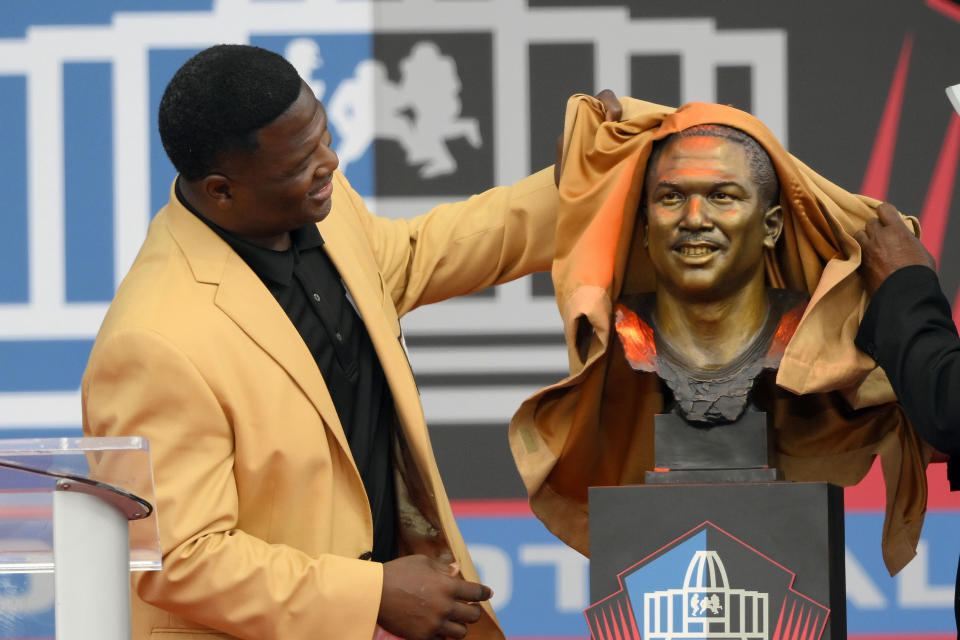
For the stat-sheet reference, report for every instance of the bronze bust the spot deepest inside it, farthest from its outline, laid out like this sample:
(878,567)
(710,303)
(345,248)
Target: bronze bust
(709,208)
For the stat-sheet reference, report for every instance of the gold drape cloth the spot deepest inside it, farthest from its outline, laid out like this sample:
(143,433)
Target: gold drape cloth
(834,410)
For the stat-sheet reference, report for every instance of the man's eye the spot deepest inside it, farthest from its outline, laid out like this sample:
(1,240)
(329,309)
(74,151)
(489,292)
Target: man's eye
(722,197)
(301,167)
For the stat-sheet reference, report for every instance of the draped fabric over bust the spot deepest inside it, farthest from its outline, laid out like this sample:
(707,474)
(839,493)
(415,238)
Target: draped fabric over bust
(833,408)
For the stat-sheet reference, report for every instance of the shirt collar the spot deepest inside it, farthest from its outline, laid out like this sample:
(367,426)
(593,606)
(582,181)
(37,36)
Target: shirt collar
(275,266)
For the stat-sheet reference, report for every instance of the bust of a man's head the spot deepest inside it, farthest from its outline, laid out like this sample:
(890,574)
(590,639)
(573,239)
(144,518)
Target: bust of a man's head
(709,210)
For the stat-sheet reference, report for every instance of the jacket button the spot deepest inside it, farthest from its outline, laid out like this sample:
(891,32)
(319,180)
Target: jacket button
(366,555)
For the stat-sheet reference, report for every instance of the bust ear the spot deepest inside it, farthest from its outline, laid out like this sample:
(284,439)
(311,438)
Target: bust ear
(772,226)
(216,187)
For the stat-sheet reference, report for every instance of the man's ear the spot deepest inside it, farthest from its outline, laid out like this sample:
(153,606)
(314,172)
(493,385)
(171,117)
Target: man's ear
(217,188)
(772,226)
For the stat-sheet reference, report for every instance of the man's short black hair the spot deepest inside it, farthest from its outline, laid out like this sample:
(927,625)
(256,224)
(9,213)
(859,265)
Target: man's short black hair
(761,166)
(218,101)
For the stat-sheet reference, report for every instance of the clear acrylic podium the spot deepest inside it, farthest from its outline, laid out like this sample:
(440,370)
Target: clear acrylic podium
(81,508)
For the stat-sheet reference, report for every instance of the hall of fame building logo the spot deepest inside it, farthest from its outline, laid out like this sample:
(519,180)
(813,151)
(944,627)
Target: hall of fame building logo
(707,585)
(429,101)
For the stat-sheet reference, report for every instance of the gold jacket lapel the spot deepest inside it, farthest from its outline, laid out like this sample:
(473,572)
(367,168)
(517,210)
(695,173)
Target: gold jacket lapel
(347,250)
(243,297)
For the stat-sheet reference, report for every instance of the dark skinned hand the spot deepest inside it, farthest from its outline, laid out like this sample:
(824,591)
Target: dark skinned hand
(612,112)
(425,599)
(888,245)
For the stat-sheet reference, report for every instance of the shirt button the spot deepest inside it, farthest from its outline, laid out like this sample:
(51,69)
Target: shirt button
(338,336)
(316,296)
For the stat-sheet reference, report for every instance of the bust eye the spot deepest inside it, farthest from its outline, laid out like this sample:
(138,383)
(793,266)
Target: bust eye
(671,198)
(721,197)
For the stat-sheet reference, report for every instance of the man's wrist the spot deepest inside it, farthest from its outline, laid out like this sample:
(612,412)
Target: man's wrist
(893,293)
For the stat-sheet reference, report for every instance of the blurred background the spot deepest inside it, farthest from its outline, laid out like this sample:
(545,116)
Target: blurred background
(431,101)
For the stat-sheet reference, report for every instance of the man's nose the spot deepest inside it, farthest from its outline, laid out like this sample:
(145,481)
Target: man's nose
(328,161)
(695,215)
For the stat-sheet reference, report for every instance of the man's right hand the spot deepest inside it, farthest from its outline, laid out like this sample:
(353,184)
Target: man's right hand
(425,599)
(887,245)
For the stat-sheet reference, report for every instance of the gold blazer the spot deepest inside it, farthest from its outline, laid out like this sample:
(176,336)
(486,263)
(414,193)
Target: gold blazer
(262,512)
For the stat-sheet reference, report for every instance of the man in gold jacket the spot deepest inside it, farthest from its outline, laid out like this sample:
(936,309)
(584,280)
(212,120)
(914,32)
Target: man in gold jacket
(255,342)
(833,410)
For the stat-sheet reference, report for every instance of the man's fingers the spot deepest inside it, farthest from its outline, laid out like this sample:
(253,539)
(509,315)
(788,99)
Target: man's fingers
(464,612)
(872,227)
(860,237)
(472,592)
(612,111)
(451,629)
(888,214)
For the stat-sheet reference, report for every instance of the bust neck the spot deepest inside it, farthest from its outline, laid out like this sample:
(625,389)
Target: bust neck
(711,333)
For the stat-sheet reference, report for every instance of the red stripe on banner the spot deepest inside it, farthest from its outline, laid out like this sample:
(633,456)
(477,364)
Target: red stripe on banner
(866,496)
(869,495)
(491,508)
(899,636)
(26,513)
(876,180)
(945,7)
(936,207)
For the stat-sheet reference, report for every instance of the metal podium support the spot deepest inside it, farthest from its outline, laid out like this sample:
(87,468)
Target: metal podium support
(100,525)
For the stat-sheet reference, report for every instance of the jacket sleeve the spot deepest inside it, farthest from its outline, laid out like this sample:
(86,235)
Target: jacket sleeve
(214,573)
(463,247)
(908,330)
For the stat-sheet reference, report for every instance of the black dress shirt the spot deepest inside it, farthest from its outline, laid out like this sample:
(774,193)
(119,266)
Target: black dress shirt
(308,287)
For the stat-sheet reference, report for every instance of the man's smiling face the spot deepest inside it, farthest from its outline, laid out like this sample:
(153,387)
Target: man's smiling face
(705,225)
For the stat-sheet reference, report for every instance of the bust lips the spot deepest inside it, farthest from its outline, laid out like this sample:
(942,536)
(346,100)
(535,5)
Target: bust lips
(696,250)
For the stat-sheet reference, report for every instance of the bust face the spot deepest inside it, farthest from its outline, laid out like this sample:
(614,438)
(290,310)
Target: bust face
(706,228)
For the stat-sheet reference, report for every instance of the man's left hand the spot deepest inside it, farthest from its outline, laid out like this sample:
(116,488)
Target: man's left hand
(888,245)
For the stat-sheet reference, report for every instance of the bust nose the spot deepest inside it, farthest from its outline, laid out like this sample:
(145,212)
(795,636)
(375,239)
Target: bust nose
(695,215)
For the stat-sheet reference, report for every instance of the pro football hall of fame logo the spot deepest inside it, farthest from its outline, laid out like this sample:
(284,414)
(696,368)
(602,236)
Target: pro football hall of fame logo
(707,585)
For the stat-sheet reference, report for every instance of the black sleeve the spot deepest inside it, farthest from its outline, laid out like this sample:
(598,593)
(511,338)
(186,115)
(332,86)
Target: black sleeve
(909,331)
